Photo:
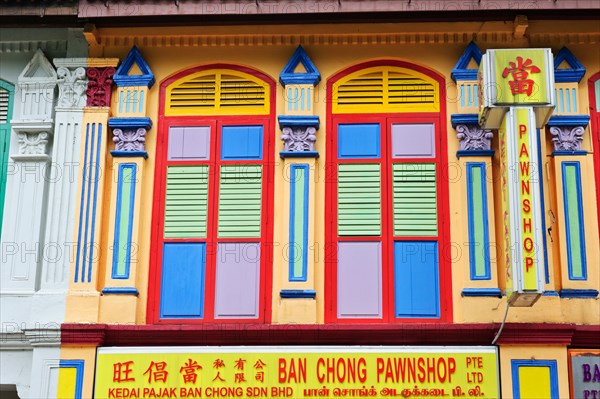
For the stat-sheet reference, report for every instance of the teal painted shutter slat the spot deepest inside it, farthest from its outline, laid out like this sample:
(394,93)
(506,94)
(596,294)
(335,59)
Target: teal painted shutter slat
(6,100)
(186,201)
(240,201)
(415,199)
(359,200)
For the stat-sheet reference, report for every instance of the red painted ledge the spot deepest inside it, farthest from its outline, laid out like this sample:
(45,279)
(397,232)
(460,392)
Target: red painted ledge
(331,334)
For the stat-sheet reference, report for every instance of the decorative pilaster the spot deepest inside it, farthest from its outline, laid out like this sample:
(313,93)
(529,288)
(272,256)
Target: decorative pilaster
(299,128)
(25,206)
(62,188)
(480,269)
(89,197)
(129,128)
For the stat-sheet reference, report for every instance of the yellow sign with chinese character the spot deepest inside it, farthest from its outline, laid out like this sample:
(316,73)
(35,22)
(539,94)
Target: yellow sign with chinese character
(521,76)
(297,372)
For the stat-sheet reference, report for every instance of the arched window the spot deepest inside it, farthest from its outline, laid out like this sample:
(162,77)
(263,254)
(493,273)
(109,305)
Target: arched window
(387,195)
(212,203)
(6,104)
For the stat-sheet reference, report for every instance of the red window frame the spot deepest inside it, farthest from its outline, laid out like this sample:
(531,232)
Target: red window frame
(215,122)
(595,132)
(387,237)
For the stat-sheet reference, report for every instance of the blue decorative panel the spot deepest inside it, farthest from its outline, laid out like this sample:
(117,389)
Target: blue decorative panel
(241,142)
(416,279)
(359,141)
(182,282)
(575,71)
(479,240)
(573,216)
(124,220)
(298,253)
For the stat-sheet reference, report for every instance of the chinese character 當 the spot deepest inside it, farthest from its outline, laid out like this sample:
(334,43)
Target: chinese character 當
(519,72)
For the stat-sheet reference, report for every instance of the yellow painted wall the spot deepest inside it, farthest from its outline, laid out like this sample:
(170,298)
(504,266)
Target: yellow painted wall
(330,55)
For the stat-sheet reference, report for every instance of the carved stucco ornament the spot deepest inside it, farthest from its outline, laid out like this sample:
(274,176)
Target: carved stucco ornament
(72,84)
(33,143)
(296,139)
(99,86)
(567,138)
(472,137)
(130,139)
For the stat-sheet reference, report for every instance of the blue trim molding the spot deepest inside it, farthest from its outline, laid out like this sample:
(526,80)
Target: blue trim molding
(573,74)
(461,71)
(122,77)
(482,292)
(311,76)
(298,154)
(78,365)
(120,291)
(550,293)
(571,293)
(129,154)
(298,121)
(569,120)
(475,153)
(464,119)
(568,153)
(551,364)
(311,294)
(131,123)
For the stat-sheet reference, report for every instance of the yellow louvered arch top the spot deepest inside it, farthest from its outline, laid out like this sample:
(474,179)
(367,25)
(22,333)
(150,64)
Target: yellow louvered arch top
(385,89)
(218,92)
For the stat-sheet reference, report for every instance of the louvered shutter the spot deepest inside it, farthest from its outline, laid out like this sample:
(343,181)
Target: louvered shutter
(240,201)
(359,200)
(415,199)
(186,201)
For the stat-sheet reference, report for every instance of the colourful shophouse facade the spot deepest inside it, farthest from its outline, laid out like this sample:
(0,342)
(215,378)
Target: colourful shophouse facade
(315,211)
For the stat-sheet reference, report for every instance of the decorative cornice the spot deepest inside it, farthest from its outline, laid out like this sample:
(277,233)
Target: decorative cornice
(329,334)
(43,337)
(102,62)
(99,88)
(464,119)
(569,120)
(130,123)
(29,46)
(298,120)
